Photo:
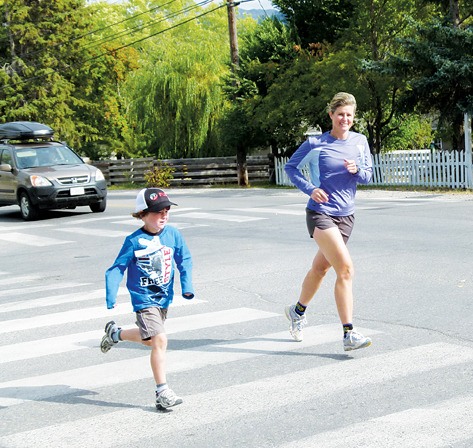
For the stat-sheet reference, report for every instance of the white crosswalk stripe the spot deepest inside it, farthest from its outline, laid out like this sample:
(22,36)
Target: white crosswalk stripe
(30,290)
(182,218)
(31,240)
(106,233)
(275,211)
(17,391)
(219,217)
(65,317)
(384,368)
(51,384)
(56,300)
(67,343)
(412,428)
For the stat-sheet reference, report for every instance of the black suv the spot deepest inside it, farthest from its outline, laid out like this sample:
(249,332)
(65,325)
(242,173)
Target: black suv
(38,173)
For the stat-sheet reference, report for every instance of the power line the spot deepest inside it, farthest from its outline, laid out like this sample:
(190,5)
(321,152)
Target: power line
(147,25)
(154,34)
(32,64)
(24,81)
(31,54)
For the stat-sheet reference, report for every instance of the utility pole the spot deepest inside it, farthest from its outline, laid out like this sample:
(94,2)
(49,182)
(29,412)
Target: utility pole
(242,168)
(232,28)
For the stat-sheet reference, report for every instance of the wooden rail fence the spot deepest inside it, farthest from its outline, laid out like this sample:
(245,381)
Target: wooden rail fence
(187,172)
(424,168)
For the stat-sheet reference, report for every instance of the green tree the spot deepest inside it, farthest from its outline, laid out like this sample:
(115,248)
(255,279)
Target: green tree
(441,80)
(267,51)
(316,21)
(109,59)
(374,33)
(38,49)
(437,61)
(54,72)
(175,98)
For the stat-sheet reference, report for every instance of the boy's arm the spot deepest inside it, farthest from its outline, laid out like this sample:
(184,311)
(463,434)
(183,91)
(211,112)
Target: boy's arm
(114,274)
(183,259)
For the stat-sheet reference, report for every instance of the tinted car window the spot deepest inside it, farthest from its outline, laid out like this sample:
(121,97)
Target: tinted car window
(5,156)
(46,156)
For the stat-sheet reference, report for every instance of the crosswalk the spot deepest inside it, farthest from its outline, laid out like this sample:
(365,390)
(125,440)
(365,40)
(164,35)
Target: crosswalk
(117,226)
(244,381)
(248,389)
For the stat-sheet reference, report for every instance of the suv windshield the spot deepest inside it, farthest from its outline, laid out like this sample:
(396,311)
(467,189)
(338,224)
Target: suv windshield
(45,156)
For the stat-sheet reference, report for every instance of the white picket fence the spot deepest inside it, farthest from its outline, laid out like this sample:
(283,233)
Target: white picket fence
(446,169)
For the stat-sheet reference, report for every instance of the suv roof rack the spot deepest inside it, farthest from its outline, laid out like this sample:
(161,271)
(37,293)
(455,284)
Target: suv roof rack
(25,130)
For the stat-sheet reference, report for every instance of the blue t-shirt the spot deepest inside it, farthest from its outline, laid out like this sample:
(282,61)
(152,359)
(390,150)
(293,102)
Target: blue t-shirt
(150,261)
(325,156)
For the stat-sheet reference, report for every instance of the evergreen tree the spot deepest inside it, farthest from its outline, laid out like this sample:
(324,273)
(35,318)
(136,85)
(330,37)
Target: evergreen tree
(39,50)
(52,71)
(316,21)
(438,64)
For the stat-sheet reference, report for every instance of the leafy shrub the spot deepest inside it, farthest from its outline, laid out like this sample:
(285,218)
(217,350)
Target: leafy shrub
(159,176)
(413,132)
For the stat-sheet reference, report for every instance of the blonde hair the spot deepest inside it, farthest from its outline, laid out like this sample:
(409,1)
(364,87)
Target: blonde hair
(341,99)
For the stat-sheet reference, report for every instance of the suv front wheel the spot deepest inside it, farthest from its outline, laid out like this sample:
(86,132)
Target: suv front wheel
(29,211)
(99,207)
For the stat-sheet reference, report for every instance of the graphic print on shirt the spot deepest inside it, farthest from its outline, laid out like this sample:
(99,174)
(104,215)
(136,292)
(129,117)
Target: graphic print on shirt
(155,260)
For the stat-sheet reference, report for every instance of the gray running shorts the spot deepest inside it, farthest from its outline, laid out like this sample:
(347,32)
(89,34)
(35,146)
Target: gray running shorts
(150,321)
(344,223)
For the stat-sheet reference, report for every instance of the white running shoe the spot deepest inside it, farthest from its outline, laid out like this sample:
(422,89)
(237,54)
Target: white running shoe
(354,340)
(107,341)
(166,399)
(297,323)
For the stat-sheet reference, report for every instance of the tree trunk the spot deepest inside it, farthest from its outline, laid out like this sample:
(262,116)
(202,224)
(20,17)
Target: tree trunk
(455,13)
(242,168)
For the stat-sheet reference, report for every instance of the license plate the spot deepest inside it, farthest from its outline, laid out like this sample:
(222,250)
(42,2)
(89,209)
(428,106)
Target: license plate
(76,191)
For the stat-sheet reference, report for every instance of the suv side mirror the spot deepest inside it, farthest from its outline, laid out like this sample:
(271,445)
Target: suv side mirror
(6,167)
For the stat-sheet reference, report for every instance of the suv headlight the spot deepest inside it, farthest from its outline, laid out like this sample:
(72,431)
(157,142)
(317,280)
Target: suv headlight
(40,181)
(99,175)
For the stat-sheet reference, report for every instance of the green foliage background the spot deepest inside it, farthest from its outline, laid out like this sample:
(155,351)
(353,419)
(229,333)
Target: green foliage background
(153,78)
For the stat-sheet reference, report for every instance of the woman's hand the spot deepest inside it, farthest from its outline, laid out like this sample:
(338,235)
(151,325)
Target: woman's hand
(351,166)
(319,195)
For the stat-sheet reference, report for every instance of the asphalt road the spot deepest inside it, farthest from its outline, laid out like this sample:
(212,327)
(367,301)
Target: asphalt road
(245,383)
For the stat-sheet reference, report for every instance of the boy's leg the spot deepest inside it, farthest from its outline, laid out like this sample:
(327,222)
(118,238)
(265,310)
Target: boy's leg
(158,357)
(131,335)
(151,326)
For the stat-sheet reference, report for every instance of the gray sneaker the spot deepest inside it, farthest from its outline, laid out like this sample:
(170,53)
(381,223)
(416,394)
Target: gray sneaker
(297,323)
(167,399)
(107,341)
(354,340)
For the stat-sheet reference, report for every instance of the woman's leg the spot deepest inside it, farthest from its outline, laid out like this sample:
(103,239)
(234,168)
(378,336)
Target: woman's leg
(313,278)
(335,251)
